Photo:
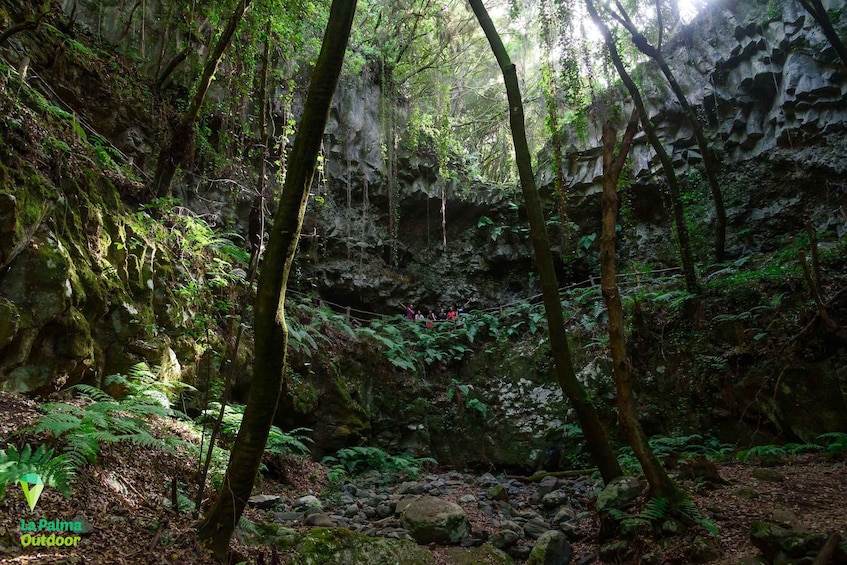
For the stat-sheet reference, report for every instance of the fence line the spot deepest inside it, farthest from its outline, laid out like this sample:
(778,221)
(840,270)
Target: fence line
(592,281)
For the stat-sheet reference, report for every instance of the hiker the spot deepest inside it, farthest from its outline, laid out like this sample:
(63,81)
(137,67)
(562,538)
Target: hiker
(452,314)
(410,310)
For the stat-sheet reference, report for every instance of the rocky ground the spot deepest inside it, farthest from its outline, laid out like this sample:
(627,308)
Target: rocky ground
(765,511)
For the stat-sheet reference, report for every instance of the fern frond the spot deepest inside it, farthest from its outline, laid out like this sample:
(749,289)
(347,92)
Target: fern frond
(54,471)
(92,392)
(82,449)
(57,423)
(656,509)
(144,439)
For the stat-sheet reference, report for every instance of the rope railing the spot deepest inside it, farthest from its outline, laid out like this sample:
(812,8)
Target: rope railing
(590,282)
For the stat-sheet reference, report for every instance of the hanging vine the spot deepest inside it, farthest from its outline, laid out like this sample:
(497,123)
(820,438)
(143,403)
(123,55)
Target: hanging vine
(389,156)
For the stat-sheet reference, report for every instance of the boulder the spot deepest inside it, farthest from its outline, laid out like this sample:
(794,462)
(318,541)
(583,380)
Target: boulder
(476,555)
(263,501)
(552,548)
(554,499)
(787,545)
(704,550)
(432,520)
(497,492)
(339,546)
(319,519)
(502,539)
(619,493)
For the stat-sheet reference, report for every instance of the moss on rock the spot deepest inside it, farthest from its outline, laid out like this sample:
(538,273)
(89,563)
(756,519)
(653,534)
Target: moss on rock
(339,546)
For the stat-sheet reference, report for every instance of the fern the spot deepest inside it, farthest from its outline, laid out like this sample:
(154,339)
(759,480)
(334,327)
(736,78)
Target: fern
(659,509)
(291,443)
(56,471)
(689,512)
(835,442)
(656,509)
(357,460)
(105,421)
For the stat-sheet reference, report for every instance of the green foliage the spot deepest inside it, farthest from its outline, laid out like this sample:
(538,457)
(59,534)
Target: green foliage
(685,447)
(141,382)
(283,444)
(358,460)
(56,472)
(83,430)
(657,510)
(777,451)
(470,401)
(279,442)
(835,443)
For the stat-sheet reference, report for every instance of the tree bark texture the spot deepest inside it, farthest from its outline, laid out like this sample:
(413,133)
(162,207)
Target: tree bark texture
(270,330)
(595,435)
(683,241)
(660,483)
(176,151)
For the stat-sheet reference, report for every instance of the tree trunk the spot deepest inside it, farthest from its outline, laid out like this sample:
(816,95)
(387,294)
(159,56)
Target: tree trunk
(683,242)
(709,162)
(256,228)
(595,435)
(660,483)
(175,153)
(271,332)
(818,12)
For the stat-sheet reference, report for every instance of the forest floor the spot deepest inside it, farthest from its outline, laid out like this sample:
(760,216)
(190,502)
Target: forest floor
(126,500)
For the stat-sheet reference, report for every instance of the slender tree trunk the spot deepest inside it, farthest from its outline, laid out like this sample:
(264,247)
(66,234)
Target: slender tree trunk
(818,12)
(173,64)
(595,435)
(271,332)
(176,152)
(660,483)
(683,241)
(710,163)
(256,227)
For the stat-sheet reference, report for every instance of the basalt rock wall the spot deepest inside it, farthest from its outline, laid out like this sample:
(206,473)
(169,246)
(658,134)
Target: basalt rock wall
(769,91)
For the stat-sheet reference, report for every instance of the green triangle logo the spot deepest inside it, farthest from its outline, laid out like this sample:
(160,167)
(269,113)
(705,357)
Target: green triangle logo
(32,486)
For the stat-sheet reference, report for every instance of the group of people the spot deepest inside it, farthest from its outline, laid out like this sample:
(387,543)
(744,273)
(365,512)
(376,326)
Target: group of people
(431,317)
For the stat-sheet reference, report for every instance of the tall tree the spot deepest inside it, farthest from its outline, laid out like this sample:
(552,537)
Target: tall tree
(177,150)
(683,241)
(270,329)
(660,483)
(595,435)
(710,162)
(819,13)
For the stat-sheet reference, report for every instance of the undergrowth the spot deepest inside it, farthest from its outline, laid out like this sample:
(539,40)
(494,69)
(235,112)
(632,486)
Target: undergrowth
(352,461)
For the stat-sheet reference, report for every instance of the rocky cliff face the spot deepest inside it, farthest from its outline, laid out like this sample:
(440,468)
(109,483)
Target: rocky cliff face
(86,288)
(770,93)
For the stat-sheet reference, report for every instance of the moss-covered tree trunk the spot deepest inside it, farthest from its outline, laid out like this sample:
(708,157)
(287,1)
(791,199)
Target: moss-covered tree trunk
(683,242)
(595,435)
(270,330)
(660,483)
(175,153)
